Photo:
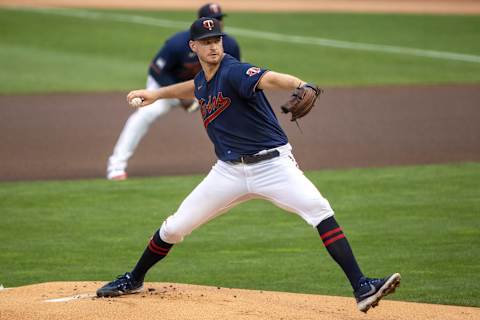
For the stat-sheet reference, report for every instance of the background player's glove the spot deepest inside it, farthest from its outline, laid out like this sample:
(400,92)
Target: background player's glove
(189,105)
(302,101)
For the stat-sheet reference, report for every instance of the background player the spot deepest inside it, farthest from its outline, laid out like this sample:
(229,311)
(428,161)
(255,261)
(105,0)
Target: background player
(255,161)
(174,63)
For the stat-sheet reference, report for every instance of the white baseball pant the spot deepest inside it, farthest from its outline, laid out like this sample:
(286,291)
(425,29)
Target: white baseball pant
(278,180)
(136,127)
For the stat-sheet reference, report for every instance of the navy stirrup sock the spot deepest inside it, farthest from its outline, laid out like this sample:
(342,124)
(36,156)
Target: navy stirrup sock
(339,249)
(156,250)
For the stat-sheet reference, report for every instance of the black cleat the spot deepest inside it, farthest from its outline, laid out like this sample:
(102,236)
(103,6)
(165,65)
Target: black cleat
(371,291)
(120,286)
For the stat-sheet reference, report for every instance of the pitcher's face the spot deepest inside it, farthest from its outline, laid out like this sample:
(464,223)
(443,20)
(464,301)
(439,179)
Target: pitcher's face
(209,50)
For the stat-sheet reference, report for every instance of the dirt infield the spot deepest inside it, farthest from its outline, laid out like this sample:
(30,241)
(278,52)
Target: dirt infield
(75,300)
(68,136)
(399,6)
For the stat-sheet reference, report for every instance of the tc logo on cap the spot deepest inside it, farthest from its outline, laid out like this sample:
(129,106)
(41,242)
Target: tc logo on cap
(208,24)
(214,8)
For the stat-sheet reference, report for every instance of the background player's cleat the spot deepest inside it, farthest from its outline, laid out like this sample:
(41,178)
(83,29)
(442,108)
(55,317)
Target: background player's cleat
(122,285)
(371,291)
(117,175)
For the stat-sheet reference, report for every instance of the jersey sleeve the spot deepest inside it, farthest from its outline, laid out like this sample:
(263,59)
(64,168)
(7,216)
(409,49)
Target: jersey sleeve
(244,78)
(162,64)
(231,47)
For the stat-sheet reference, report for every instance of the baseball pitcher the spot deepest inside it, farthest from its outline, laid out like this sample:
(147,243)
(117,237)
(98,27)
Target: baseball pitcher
(255,161)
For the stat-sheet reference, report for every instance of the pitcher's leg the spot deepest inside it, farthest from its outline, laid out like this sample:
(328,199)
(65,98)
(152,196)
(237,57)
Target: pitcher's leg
(223,188)
(339,249)
(291,190)
(282,182)
(176,229)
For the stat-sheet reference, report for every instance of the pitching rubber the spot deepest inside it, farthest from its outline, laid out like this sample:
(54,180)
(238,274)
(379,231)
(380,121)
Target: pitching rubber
(389,287)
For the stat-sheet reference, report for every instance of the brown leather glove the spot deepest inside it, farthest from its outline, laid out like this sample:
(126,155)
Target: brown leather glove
(189,105)
(302,101)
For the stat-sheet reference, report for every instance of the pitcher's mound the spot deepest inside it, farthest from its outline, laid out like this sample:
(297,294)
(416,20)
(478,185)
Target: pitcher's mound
(76,300)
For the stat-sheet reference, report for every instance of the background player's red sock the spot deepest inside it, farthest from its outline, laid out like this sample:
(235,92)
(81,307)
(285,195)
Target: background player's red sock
(339,249)
(156,250)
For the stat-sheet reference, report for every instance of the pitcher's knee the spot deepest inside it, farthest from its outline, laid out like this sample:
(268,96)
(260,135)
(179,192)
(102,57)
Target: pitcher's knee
(319,211)
(171,232)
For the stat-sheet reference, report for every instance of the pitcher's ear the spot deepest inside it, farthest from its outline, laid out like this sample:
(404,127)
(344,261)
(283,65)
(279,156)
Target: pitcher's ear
(191,43)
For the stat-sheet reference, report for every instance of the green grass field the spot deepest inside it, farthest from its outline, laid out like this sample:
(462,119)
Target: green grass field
(53,51)
(421,221)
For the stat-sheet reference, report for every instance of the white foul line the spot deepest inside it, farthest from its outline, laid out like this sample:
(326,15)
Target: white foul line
(172,24)
(75,297)
(65,299)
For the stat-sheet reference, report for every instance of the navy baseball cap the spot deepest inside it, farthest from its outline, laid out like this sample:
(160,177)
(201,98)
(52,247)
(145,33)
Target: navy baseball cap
(205,28)
(211,10)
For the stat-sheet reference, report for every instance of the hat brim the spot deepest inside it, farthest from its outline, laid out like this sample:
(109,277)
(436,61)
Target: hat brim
(209,35)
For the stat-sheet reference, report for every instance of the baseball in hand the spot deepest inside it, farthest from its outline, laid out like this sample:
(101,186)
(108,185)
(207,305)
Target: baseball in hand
(136,102)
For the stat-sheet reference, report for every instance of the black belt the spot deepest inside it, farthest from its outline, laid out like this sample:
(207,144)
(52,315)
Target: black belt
(254,158)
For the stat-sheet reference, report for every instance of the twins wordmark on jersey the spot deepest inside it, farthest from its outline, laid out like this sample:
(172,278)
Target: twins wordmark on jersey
(216,104)
(213,107)
(236,114)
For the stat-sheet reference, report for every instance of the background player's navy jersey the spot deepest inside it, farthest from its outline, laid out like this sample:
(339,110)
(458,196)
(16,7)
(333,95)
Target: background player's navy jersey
(238,117)
(175,62)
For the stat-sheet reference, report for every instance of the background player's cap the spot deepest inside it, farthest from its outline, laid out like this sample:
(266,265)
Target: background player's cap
(205,28)
(211,10)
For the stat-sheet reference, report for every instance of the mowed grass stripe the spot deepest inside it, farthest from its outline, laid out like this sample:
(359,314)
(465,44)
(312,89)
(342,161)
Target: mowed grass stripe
(421,221)
(67,65)
(257,34)
(121,52)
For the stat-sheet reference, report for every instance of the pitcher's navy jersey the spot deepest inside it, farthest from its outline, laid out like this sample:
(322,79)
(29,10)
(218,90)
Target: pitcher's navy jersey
(236,114)
(175,62)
